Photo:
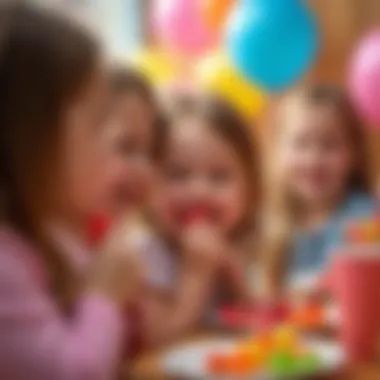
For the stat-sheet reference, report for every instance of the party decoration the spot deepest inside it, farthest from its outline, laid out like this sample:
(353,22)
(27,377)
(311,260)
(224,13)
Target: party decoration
(364,80)
(272,43)
(179,25)
(215,12)
(159,67)
(216,75)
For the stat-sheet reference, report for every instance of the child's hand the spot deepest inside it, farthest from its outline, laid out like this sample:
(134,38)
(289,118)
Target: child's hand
(203,247)
(233,272)
(117,271)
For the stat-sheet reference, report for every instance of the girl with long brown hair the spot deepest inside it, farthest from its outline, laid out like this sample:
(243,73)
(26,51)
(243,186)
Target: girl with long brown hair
(203,217)
(60,318)
(319,179)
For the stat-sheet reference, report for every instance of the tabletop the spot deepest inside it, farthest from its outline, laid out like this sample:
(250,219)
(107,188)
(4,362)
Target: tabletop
(148,367)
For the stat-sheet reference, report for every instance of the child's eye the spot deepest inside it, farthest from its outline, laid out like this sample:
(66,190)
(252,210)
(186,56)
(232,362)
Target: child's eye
(331,144)
(126,147)
(130,148)
(177,173)
(220,176)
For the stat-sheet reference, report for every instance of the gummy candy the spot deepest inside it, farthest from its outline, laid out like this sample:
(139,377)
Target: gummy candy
(308,363)
(241,363)
(217,363)
(285,338)
(280,352)
(264,341)
(309,317)
(282,363)
(254,352)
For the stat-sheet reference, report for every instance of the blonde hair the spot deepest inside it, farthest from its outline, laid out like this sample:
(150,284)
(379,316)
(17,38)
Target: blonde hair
(281,207)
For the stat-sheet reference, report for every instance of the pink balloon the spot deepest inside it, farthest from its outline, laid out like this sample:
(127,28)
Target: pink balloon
(364,80)
(179,24)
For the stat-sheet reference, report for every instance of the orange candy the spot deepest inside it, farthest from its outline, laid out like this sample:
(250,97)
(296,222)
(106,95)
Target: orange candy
(256,355)
(310,317)
(218,363)
(264,341)
(238,363)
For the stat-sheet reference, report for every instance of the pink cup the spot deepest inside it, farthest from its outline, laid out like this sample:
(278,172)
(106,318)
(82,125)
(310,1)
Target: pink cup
(356,285)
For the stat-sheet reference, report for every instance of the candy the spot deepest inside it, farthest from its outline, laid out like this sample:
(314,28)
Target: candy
(254,352)
(264,341)
(309,317)
(308,363)
(280,352)
(285,338)
(282,363)
(217,363)
(240,364)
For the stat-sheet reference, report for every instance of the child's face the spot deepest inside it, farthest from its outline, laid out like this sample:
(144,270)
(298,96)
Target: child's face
(132,141)
(93,171)
(201,174)
(316,158)
(87,157)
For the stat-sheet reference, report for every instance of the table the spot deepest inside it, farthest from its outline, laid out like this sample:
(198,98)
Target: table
(147,367)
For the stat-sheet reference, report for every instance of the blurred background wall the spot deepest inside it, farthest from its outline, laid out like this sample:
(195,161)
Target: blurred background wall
(125,26)
(343,22)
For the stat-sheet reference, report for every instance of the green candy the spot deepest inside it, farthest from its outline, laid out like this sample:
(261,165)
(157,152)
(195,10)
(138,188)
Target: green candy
(308,364)
(282,364)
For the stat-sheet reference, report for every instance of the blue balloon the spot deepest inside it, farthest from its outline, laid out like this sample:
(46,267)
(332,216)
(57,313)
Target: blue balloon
(272,42)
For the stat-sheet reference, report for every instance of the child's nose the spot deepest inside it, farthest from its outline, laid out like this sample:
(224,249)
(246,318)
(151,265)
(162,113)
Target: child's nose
(201,190)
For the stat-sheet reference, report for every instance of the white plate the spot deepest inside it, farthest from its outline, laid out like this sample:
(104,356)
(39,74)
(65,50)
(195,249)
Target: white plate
(189,361)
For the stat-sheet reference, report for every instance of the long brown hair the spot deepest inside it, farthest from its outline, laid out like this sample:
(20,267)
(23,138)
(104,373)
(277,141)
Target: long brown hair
(279,221)
(45,60)
(227,123)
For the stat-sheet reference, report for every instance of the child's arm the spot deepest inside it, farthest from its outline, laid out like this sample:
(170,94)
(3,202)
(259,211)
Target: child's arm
(36,342)
(170,317)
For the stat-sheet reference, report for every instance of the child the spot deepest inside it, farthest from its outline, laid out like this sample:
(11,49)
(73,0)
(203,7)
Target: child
(321,181)
(203,212)
(58,320)
(136,115)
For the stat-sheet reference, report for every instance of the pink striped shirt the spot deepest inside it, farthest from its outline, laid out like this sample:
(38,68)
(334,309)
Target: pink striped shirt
(36,341)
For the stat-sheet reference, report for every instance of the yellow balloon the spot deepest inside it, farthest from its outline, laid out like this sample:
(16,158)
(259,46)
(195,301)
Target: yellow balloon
(217,75)
(156,65)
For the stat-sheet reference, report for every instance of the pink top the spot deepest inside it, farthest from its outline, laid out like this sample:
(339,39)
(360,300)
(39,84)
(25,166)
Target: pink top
(36,341)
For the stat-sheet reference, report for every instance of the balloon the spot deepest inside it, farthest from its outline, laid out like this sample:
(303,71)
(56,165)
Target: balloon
(216,75)
(364,80)
(179,25)
(215,12)
(272,42)
(157,66)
